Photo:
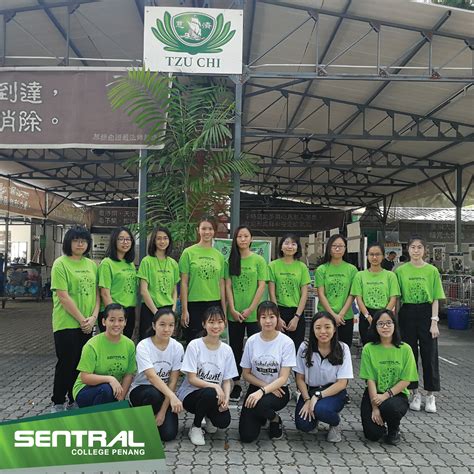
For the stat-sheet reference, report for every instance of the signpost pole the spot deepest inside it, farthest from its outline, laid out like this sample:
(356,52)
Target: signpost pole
(459,202)
(235,201)
(142,190)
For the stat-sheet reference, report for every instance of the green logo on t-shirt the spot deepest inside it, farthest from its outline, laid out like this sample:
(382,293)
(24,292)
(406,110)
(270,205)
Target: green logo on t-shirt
(207,269)
(418,292)
(86,285)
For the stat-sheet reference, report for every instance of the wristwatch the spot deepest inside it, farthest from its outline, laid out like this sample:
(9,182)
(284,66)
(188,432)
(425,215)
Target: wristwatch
(298,315)
(367,315)
(435,318)
(318,395)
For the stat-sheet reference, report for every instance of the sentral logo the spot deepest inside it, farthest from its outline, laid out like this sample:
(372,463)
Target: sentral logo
(193,33)
(82,442)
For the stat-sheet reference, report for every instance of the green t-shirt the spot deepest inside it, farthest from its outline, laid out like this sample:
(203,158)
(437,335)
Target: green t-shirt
(162,277)
(79,279)
(100,356)
(121,279)
(288,279)
(205,268)
(252,270)
(387,366)
(419,284)
(375,288)
(337,281)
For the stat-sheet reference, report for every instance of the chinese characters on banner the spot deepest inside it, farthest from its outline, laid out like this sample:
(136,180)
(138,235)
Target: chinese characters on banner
(63,109)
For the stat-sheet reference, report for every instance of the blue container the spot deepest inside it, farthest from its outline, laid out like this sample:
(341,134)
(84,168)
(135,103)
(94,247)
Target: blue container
(458,317)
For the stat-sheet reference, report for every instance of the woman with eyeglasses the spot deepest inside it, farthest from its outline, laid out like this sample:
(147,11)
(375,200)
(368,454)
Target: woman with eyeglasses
(421,289)
(159,277)
(388,366)
(75,309)
(288,287)
(334,279)
(374,289)
(118,277)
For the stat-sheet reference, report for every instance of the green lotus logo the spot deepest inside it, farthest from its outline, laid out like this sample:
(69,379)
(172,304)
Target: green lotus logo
(193,33)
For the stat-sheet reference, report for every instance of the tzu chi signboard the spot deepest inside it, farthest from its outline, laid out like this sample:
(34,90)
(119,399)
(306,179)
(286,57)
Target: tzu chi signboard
(202,41)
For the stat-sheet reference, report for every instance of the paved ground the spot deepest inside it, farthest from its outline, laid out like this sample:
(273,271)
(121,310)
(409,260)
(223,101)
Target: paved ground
(443,442)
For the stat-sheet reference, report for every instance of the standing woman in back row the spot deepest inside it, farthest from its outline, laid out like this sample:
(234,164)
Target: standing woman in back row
(159,277)
(421,289)
(288,287)
(334,280)
(75,310)
(246,277)
(202,279)
(118,277)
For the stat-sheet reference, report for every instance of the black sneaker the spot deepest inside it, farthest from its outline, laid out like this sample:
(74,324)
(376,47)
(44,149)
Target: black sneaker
(236,393)
(276,429)
(393,438)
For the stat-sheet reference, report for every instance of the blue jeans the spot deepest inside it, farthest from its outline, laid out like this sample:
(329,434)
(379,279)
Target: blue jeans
(326,410)
(92,395)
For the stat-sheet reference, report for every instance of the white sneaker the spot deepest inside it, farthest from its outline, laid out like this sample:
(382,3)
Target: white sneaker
(57,408)
(415,403)
(196,436)
(334,434)
(430,404)
(209,427)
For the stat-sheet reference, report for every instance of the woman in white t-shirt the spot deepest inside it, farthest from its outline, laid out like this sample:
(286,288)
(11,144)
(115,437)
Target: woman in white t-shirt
(209,366)
(323,368)
(266,364)
(159,360)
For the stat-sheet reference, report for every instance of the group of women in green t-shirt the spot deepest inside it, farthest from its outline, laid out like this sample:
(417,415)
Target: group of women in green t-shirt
(84,294)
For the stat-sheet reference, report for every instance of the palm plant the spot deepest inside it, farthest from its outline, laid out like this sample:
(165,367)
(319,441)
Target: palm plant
(191,174)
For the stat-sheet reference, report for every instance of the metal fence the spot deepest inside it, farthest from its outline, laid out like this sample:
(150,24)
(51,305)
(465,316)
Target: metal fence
(459,290)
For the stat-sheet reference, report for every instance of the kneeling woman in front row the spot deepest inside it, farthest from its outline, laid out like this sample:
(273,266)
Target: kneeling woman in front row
(209,366)
(323,368)
(159,359)
(388,366)
(107,362)
(266,364)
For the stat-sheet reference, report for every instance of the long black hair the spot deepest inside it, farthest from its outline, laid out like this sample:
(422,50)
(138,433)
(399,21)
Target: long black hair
(336,355)
(111,251)
(76,232)
(152,241)
(374,336)
(235,257)
(327,252)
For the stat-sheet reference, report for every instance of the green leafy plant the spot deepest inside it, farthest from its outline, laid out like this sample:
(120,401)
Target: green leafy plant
(191,175)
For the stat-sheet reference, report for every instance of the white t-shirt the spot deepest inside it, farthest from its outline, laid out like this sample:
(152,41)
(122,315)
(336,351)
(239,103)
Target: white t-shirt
(266,358)
(322,372)
(163,362)
(213,366)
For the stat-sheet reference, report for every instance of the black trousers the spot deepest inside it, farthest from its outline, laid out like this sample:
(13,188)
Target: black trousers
(236,339)
(196,309)
(415,323)
(146,318)
(203,402)
(346,331)
(297,336)
(364,326)
(149,395)
(252,419)
(68,344)
(391,410)
(130,326)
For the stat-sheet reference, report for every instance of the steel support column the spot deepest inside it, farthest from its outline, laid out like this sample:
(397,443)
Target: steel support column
(235,201)
(459,202)
(142,202)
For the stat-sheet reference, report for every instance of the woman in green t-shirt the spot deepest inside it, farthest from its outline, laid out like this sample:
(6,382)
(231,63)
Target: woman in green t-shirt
(107,362)
(288,287)
(388,366)
(159,277)
(374,289)
(118,276)
(333,278)
(202,279)
(245,278)
(75,309)
(421,290)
